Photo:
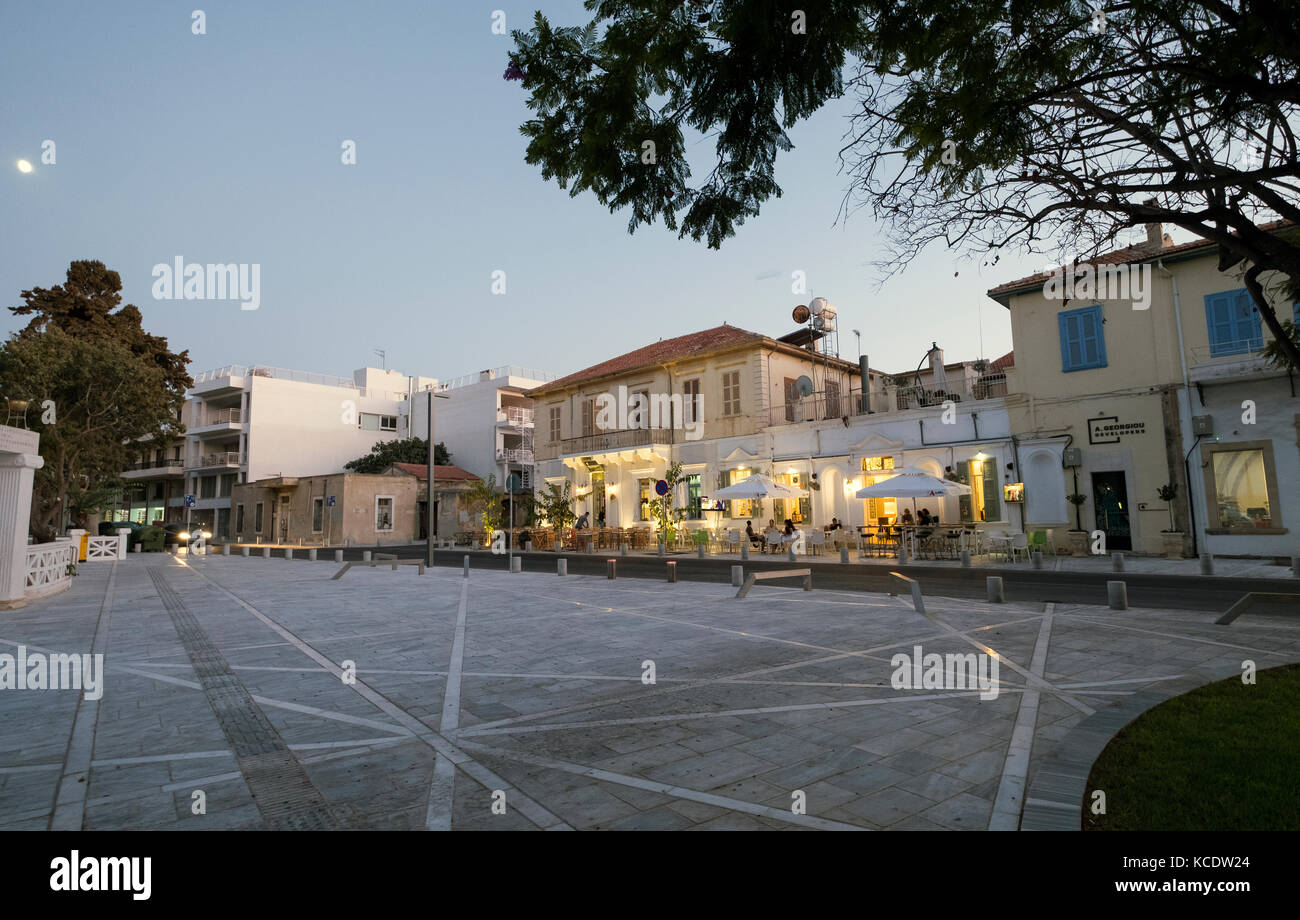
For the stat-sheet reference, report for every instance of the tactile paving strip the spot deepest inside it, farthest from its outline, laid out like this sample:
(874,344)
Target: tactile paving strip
(280,787)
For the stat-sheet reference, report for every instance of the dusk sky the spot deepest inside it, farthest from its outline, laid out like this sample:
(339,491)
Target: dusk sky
(226,147)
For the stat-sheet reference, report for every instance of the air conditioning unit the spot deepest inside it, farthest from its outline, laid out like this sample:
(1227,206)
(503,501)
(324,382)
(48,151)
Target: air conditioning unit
(1071,456)
(1203,424)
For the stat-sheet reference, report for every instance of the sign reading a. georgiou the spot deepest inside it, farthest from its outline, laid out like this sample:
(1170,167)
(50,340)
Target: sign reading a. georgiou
(103,873)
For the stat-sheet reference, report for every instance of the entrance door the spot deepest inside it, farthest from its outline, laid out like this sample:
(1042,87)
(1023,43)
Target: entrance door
(284,519)
(1110,499)
(598,498)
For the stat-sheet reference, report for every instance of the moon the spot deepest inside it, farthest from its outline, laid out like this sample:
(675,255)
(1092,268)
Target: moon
(24,166)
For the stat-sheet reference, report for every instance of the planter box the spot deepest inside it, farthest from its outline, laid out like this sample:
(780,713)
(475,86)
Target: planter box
(1173,543)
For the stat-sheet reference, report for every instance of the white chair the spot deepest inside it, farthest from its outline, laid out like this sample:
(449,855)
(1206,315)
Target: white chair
(1019,544)
(773,539)
(818,540)
(733,541)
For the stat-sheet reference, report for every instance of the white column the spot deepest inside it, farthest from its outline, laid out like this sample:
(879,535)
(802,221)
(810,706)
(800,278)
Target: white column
(15,518)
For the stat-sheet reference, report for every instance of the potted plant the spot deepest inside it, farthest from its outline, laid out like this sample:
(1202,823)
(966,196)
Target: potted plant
(1078,536)
(1172,537)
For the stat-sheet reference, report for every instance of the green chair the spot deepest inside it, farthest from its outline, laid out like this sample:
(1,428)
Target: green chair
(1041,542)
(701,538)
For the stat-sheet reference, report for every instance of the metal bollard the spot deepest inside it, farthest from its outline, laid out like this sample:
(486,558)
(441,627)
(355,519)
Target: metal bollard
(528,546)
(338,555)
(622,549)
(902,553)
(1207,564)
(516,564)
(288,552)
(844,554)
(561,566)
(1117,562)
(245,551)
(965,559)
(467,566)
(1117,595)
(737,576)
(611,569)
(744,552)
(699,551)
(1036,559)
(672,572)
(996,593)
(266,552)
(365,555)
(311,555)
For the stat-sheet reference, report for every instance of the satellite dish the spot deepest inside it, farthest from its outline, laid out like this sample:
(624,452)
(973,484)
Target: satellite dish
(801,314)
(804,386)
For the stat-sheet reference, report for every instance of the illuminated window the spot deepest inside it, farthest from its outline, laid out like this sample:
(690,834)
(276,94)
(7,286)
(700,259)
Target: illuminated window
(1242,484)
(798,510)
(742,508)
(644,499)
(876,464)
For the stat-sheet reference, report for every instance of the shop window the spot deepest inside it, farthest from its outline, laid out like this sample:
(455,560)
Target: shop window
(1242,483)
(384,513)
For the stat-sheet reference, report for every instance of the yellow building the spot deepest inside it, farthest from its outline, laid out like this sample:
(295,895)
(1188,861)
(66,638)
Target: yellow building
(1135,372)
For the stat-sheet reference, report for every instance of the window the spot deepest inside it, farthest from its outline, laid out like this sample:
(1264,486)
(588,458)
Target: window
(208,487)
(257,518)
(555,424)
(1241,485)
(731,393)
(832,398)
(693,509)
(644,499)
(744,508)
(384,513)
(588,418)
(369,421)
(1083,346)
(798,510)
(317,514)
(158,489)
(239,519)
(227,485)
(983,503)
(791,398)
(690,400)
(877,464)
(1232,323)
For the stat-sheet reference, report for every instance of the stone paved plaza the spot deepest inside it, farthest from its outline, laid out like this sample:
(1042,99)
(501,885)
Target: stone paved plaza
(518,701)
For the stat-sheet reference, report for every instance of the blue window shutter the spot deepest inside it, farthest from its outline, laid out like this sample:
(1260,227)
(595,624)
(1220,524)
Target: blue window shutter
(1098,337)
(1218,323)
(1083,343)
(1249,327)
(1063,324)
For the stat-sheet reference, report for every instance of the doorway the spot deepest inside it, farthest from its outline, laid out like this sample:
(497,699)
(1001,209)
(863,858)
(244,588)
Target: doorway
(1110,504)
(598,498)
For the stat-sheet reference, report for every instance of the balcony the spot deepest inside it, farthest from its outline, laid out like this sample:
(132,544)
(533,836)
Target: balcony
(1226,360)
(515,417)
(154,469)
(219,459)
(217,423)
(609,441)
(514,455)
(892,397)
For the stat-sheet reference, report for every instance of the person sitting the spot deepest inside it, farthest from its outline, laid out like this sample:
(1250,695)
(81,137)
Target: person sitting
(771,536)
(924,516)
(789,528)
(754,539)
(907,517)
(835,524)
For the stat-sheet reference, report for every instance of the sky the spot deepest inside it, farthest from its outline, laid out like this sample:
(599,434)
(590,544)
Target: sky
(226,147)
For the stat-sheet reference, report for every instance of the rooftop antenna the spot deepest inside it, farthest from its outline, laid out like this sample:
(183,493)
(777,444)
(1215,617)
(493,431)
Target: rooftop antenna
(383,358)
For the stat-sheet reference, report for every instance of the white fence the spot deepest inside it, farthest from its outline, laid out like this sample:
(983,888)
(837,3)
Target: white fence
(106,548)
(47,567)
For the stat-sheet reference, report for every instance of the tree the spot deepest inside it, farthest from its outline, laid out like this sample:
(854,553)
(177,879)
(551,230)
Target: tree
(556,504)
(985,126)
(485,498)
(665,514)
(105,402)
(404,450)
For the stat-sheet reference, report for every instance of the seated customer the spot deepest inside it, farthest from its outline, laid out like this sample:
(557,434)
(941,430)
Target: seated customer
(835,524)
(754,539)
(924,516)
(907,516)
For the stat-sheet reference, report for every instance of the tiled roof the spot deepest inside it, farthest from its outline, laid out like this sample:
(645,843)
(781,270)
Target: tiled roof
(665,350)
(1002,363)
(441,473)
(1137,253)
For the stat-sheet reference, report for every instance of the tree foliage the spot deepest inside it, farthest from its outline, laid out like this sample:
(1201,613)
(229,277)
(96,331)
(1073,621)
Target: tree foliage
(985,125)
(664,509)
(109,384)
(555,504)
(403,450)
(485,498)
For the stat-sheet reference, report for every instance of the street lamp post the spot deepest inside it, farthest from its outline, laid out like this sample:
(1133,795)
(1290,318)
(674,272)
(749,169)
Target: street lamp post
(429,503)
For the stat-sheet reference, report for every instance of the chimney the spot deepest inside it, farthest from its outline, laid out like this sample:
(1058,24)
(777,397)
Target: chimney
(485,375)
(1155,236)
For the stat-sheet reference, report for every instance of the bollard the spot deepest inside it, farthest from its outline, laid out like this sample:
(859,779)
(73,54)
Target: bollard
(996,593)
(516,564)
(288,552)
(1117,595)
(789,556)
(699,551)
(611,569)
(338,555)
(737,576)
(561,566)
(365,555)
(266,552)
(311,555)
(622,549)
(744,552)
(528,546)
(1117,562)
(844,554)
(965,559)
(672,572)
(591,541)
(245,551)
(1207,564)
(138,548)
(1036,559)
(467,566)
(902,553)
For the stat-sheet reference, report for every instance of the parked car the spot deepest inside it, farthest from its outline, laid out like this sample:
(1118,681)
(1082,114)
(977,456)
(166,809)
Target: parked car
(110,529)
(179,534)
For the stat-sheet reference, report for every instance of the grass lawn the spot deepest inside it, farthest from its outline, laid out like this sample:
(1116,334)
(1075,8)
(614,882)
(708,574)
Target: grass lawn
(1224,757)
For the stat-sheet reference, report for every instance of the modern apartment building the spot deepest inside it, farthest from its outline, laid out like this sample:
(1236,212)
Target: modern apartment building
(1116,395)
(726,403)
(154,486)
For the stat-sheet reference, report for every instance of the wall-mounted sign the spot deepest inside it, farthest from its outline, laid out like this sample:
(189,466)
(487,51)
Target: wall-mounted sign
(1013,492)
(1108,429)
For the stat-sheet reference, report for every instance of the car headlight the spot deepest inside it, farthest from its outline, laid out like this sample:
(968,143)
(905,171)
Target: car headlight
(207,535)
(183,535)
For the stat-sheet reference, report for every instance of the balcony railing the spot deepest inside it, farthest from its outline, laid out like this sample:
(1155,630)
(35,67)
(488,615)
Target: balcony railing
(891,398)
(610,440)
(514,455)
(175,463)
(1240,350)
(221,458)
(220,417)
(514,415)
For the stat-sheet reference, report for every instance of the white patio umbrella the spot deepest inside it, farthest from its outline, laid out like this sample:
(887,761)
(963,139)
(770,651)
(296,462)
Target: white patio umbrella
(913,484)
(759,486)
